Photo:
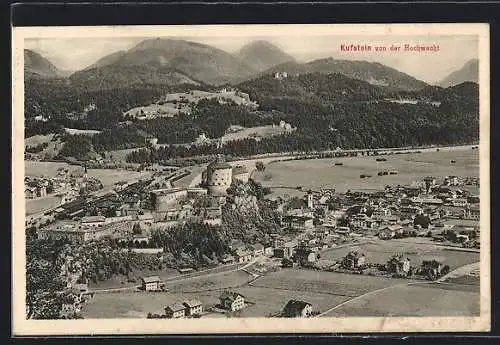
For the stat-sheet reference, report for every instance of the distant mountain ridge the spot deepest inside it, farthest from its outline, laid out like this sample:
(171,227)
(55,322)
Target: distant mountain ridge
(262,55)
(195,60)
(468,73)
(37,66)
(372,72)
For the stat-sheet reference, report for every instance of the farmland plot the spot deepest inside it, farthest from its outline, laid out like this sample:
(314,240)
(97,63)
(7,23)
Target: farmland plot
(335,284)
(318,173)
(211,283)
(381,251)
(412,300)
(270,301)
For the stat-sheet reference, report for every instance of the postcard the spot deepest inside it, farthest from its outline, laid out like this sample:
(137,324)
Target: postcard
(251,179)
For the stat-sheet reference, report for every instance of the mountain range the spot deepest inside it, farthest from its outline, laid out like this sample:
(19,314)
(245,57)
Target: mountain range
(262,55)
(173,62)
(469,72)
(37,66)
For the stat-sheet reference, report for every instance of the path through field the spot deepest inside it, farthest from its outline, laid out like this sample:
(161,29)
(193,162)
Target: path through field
(463,270)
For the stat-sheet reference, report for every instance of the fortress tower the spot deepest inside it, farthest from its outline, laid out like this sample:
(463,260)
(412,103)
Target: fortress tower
(219,177)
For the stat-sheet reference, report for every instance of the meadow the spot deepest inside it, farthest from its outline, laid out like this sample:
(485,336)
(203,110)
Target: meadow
(39,204)
(379,251)
(108,177)
(323,173)
(133,304)
(261,131)
(329,283)
(413,300)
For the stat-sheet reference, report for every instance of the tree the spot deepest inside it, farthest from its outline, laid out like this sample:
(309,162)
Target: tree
(423,221)
(136,230)
(259,166)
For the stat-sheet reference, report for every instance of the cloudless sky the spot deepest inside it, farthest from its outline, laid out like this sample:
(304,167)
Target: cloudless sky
(454,51)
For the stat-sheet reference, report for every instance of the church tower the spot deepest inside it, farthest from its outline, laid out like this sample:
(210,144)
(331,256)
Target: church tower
(310,200)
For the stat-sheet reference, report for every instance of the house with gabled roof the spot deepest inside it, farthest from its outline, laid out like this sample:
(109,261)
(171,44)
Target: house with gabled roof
(297,308)
(193,307)
(232,301)
(175,311)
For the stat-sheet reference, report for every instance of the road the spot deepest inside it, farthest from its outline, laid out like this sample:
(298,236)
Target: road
(182,277)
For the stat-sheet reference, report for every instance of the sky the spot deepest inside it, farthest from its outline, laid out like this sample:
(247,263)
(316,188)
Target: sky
(454,51)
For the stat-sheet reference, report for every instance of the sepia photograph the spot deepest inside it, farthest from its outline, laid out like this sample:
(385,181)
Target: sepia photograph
(251,178)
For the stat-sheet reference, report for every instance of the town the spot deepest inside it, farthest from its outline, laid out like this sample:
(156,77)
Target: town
(135,225)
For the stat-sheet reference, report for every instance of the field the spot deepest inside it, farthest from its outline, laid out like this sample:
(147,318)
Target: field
(334,284)
(107,176)
(334,294)
(212,283)
(414,300)
(53,147)
(380,251)
(120,155)
(318,173)
(138,304)
(270,301)
(39,204)
(262,132)
(176,103)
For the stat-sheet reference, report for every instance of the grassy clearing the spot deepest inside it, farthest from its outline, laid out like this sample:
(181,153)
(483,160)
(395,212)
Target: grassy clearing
(128,304)
(175,103)
(212,283)
(269,301)
(412,300)
(261,131)
(138,304)
(107,176)
(334,284)
(39,204)
(381,251)
(317,173)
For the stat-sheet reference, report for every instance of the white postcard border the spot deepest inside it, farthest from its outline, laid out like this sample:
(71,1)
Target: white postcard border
(21,326)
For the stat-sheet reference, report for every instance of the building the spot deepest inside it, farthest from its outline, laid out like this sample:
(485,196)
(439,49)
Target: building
(471,212)
(232,301)
(298,222)
(304,256)
(353,259)
(432,268)
(310,200)
(410,211)
(389,231)
(296,308)
(362,221)
(165,199)
(459,202)
(280,75)
(152,283)
(258,249)
(69,309)
(429,183)
(193,307)
(175,311)
(240,173)
(398,265)
(219,177)
(93,221)
(74,233)
(228,260)
(242,255)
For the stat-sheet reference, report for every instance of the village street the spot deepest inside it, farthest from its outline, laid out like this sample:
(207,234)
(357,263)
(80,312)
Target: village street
(178,278)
